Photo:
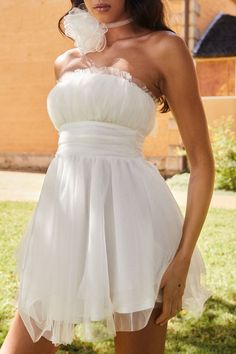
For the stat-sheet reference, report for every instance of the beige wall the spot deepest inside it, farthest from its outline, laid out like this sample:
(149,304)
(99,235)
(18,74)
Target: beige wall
(29,45)
(220,84)
(166,135)
(219,108)
(175,15)
(30,42)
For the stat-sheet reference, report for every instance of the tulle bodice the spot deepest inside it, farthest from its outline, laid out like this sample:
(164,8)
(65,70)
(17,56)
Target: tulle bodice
(104,94)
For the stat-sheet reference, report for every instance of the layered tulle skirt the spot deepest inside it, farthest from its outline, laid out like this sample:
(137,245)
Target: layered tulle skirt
(101,236)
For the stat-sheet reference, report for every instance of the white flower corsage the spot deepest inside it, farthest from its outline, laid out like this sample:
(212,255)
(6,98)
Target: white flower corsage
(88,34)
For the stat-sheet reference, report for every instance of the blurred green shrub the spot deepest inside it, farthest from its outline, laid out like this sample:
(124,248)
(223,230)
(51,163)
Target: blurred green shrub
(223,141)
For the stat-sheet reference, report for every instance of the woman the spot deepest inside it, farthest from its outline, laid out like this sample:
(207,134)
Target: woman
(107,241)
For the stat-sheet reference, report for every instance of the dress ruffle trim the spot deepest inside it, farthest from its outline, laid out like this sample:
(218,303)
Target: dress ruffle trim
(110,70)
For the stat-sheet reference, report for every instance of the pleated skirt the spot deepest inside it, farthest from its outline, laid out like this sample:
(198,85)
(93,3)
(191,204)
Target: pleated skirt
(99,240)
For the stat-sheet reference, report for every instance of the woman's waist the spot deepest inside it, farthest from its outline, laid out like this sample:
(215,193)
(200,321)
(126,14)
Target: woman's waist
(99,138)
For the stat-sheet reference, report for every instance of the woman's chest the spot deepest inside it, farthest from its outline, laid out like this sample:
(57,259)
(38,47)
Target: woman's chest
(132,59)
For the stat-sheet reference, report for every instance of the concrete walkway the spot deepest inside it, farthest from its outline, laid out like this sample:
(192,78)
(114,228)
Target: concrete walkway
(26,186)
(22,186)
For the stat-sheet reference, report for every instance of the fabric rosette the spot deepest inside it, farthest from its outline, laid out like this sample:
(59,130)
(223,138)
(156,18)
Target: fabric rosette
(88,33)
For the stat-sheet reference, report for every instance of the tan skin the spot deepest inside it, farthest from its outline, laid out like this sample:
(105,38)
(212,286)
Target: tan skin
(162,61)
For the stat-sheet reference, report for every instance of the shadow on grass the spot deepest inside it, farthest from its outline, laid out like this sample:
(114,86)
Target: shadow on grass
(214,332)
(79,347)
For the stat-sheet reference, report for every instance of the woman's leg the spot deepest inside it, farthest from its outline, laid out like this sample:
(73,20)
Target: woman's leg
(18,341)
(149,340)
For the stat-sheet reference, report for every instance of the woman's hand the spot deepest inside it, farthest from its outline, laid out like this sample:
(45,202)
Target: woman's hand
(173,284)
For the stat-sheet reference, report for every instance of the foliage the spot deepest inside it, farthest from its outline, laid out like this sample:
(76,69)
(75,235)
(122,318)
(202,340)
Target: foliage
(224,150)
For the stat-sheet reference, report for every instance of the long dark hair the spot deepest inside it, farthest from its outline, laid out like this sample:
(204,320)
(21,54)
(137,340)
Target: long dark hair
(149,14)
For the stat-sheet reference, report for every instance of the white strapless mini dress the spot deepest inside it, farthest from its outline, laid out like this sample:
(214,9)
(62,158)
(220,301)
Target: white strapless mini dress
(106,224)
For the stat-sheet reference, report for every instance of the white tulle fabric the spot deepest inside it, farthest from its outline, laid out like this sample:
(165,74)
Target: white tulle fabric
(106,225)
(88,34)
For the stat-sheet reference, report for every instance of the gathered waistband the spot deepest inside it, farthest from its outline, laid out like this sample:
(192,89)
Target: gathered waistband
(99,138)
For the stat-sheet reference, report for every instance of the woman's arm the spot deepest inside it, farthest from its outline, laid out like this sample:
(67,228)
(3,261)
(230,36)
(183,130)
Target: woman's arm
(180,86)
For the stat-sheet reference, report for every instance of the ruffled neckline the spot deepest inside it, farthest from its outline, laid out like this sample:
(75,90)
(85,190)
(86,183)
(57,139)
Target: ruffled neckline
(110,70)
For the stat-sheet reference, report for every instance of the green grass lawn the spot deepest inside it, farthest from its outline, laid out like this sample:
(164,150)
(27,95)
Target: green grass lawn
(180,182)
(214,332)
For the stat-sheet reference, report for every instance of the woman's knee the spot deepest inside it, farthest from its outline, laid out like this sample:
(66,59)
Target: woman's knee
(18,341)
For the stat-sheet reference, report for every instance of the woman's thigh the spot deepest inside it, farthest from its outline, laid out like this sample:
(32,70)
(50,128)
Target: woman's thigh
(19,341)
(149,340)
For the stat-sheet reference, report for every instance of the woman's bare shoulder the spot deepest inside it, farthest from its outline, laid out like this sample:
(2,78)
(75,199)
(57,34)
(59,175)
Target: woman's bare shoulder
(165,40)
(63,59)
(167,49)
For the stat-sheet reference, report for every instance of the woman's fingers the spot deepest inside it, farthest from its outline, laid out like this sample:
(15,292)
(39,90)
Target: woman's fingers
(166,309)
(173,285)
(169,309)
(172,313)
